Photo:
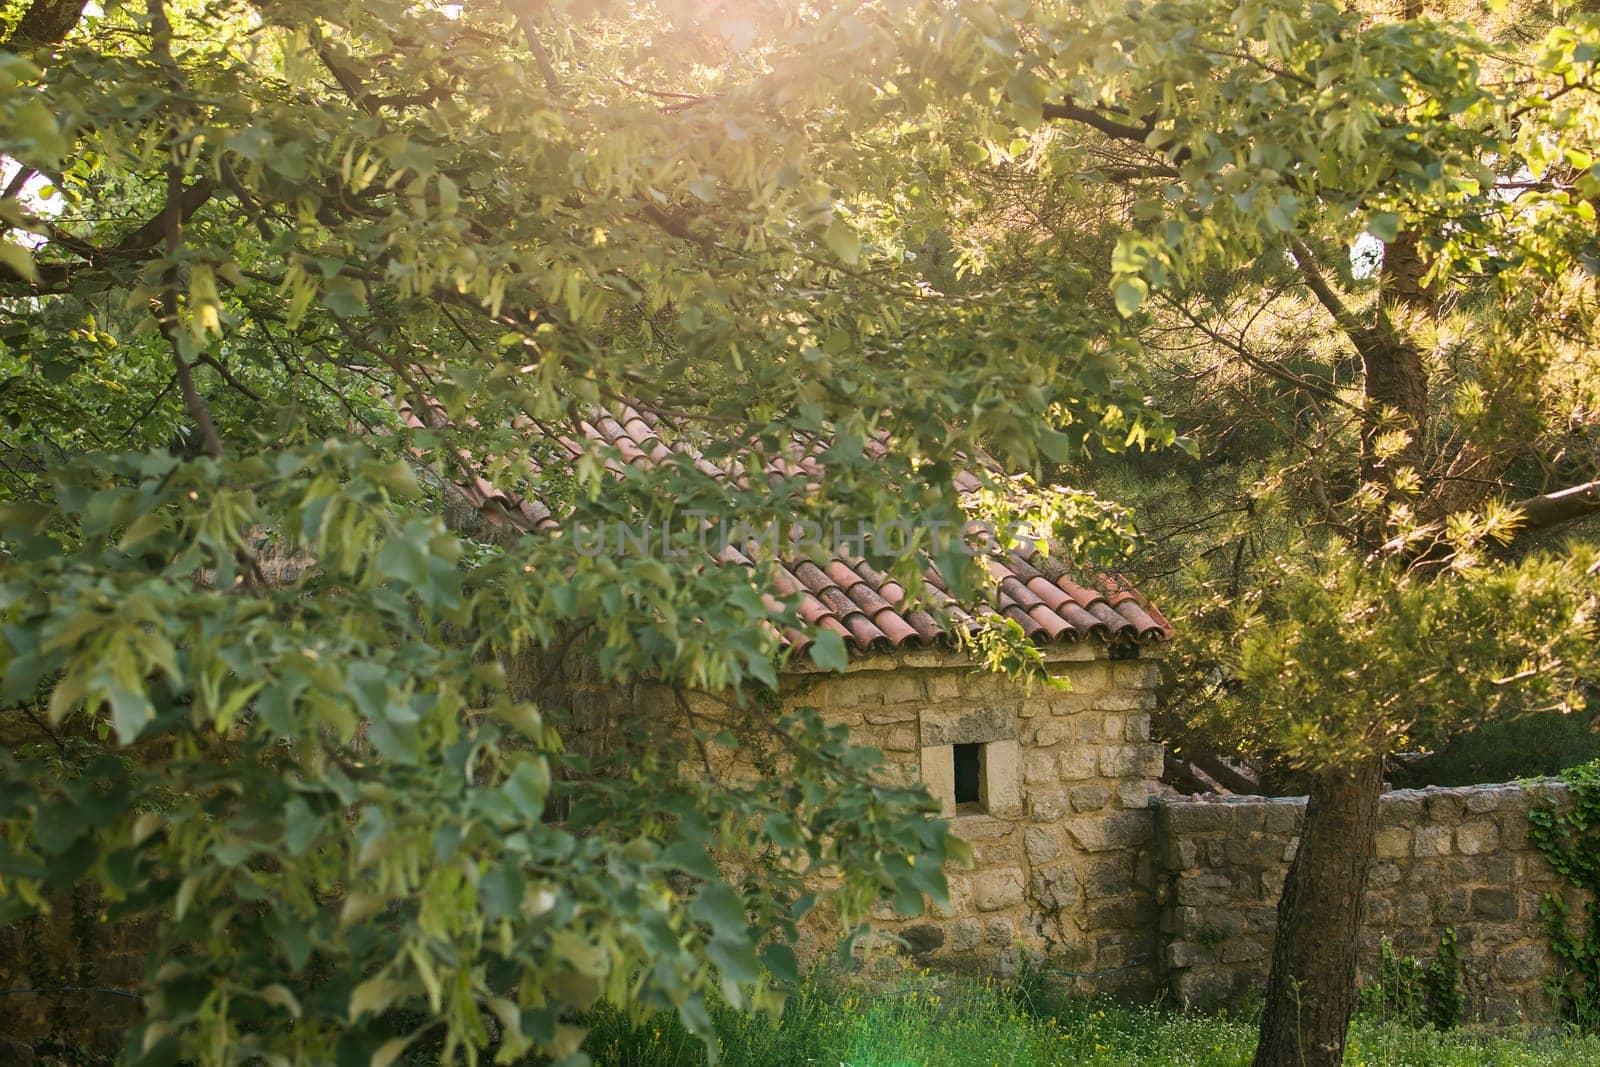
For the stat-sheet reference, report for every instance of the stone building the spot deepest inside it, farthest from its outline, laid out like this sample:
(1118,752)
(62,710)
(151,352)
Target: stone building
(1051,787)
(1080,854)
(1049,781)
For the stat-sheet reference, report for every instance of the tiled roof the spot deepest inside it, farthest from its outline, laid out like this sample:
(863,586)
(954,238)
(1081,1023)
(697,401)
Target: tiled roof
(863,606)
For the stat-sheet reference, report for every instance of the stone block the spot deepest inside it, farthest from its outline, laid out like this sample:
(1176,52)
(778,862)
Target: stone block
(1054,887)
(942,686)
(1414,910)
(1108,876)
(897,739)
(1247,814)
(1183,954)
(1076,764)
(1394,843)
(1443,805)
(903,687)
(1489,867)
(1042,845)
(980,827)
(1002,785)
(1487,798)
(851,690)
(1283,816)
(1432,841)
(1119,700)
(1046,805)
(923,939)
(1048,733)
(938,765)
(999,932)
(968,725)
(1494,903)
(965,935)
(1089,677)
(1138,728)
(1244,950)
(1475,838)
(1134,795)
(1068,705)
(1256,851)
(1179,854)
(1087,730)
(1133,912)
(1105,833)
(1089,797)
(1120,761)
(890,713)
(1112,727)
(1040,767)
(1133,675)
(1401,807)
(996,890)
(1188,817)
(1384,875)
(1525,964)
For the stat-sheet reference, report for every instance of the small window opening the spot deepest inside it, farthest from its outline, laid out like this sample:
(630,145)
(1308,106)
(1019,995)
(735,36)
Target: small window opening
(969,774)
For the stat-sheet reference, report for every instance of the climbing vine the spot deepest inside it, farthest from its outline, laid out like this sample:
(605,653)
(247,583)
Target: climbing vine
(1569,837)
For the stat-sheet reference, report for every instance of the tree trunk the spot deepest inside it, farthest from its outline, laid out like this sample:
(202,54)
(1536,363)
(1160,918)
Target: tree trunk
(1311,991)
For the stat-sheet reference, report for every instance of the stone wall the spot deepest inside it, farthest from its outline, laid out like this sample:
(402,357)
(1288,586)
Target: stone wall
(1062,843)
(1064,863)
(65,979)
(1446,858)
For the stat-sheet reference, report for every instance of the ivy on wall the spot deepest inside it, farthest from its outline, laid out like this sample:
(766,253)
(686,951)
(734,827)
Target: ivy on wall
(1569,837)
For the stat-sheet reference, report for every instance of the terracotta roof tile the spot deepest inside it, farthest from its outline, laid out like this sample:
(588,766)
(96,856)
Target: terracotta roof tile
(846,595)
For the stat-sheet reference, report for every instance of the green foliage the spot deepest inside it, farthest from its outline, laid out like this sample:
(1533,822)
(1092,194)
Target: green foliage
(1413,994)
(1569,838)
(945,1023)
(1380,654)
(246,232)
(1504,750)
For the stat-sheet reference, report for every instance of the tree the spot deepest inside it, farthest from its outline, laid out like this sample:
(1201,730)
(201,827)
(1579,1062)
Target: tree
(1361,248)
(968,227)
(253,686)
(1376,553)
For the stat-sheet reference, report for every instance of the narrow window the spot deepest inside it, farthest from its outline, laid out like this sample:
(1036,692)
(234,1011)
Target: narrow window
(969,774)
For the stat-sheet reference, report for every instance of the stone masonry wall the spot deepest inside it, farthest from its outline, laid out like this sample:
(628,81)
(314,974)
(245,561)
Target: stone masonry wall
(1062,850)
(1445,858)
(1062,839)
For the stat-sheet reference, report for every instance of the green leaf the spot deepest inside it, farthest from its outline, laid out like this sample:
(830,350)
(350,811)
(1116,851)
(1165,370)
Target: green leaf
(720,908)
(345,297)
(828,652)
(844,242)
(1384,225)
(1129,294)
(780,962)
(18,260)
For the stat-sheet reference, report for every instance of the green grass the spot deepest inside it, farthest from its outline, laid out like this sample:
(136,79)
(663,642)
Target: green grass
(944,1023)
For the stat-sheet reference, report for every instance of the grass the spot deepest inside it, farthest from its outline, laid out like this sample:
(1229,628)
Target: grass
(945,1023)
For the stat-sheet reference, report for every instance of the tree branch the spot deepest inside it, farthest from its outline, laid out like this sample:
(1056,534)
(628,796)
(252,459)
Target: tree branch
(172,227)
(1109,126)
(1306,260)
(1564,505)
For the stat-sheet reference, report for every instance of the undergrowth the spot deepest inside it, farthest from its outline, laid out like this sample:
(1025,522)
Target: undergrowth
(948,1023)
